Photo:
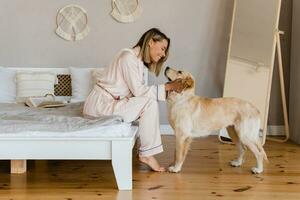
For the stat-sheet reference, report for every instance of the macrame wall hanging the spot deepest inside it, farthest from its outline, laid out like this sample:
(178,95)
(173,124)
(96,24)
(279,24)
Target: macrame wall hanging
(72,23)
(126,11)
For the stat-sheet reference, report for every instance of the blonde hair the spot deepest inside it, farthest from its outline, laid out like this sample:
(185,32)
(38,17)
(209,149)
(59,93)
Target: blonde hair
(156,35)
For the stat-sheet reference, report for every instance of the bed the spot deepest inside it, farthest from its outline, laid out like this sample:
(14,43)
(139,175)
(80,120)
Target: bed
(26,134)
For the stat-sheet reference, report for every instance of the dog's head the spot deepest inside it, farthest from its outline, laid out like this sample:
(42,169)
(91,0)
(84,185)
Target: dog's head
(187,78)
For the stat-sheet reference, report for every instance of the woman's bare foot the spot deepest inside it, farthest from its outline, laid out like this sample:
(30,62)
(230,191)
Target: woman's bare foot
(152,163)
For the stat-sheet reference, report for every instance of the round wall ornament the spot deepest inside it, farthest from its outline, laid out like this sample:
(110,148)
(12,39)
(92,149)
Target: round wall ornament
(72,23)
(126,11)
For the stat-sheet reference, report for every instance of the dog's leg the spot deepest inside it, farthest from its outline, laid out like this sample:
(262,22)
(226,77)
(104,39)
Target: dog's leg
(259,158)
(232,134)
(187,144)
(182,147)
(241,150)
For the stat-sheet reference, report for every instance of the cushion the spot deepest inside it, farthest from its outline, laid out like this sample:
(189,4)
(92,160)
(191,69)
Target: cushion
(63,88)
(82,83)
(7,86)
(34,84)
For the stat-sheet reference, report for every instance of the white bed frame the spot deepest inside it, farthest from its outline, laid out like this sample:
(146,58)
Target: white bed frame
(116,149)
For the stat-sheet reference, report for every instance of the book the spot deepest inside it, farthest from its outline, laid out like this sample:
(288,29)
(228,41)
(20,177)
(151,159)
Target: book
(43,102)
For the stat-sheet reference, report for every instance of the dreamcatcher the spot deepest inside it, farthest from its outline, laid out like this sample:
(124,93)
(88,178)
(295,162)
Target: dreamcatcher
(126,11)
(72,23)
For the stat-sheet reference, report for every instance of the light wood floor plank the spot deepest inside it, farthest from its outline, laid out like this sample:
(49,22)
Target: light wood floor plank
(206,174)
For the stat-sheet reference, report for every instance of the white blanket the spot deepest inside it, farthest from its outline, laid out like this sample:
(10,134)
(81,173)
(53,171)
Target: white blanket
(18,118)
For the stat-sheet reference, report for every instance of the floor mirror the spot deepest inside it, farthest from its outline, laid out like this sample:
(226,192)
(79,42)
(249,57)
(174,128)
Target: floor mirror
(251,54)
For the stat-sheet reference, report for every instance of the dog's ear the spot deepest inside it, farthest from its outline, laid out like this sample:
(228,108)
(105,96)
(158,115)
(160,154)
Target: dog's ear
(188,82)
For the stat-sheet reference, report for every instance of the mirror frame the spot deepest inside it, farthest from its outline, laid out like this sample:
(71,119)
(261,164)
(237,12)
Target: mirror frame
(272,61)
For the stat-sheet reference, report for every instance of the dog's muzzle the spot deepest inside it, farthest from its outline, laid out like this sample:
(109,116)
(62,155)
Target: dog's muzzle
(166,70)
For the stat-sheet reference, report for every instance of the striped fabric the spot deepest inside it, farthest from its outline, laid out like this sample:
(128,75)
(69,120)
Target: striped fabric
(31,84)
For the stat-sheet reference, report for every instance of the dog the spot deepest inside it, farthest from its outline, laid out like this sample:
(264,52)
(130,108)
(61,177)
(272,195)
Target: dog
(194,116)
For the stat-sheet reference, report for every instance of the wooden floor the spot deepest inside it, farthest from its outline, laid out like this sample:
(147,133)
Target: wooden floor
(206,175)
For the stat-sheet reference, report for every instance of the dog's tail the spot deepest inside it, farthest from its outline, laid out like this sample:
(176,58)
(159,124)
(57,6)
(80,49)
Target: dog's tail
(262,151)
(260,143)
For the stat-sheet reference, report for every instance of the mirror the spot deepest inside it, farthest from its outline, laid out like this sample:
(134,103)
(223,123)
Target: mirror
(251,54)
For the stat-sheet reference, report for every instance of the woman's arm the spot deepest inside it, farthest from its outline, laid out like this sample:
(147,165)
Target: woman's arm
(176,85)
(134,80)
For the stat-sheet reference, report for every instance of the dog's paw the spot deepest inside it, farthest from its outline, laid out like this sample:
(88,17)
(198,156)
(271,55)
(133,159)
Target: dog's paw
(235,163)
(256,170)
(174,169)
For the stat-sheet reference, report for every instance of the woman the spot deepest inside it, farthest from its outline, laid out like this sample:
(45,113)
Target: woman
(120,90)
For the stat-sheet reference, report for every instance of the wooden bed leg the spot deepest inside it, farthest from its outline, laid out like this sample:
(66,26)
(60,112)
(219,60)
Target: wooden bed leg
(17,166)
(122,163)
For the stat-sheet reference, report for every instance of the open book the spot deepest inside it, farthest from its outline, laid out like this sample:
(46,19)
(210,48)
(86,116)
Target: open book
(43,102)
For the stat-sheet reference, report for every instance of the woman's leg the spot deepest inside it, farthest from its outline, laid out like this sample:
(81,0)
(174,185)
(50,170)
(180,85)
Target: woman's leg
(146,111)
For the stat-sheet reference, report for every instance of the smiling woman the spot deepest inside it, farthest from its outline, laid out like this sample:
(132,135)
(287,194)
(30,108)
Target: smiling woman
(157,50)
(153,49)
(120,90)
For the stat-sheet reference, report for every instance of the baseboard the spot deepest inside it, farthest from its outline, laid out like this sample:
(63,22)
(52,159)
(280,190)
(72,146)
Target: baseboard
(166,129)
(274,130)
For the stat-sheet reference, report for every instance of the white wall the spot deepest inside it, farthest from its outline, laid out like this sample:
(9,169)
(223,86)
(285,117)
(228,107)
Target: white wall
(199,32)
(294,111)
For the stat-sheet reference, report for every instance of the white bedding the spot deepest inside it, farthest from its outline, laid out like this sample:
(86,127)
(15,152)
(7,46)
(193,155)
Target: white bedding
(18,120)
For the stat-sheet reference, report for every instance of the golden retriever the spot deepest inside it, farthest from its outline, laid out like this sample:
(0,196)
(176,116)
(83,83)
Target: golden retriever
(194,116)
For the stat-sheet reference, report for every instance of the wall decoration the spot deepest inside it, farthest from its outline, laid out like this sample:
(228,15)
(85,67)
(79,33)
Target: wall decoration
(126,11)
(72,23)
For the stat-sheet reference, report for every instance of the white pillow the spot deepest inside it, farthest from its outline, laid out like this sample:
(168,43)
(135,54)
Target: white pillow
(82,83)
(8,85)
(33,84)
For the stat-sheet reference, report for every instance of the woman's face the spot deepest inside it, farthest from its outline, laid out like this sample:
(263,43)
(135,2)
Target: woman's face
(157,50)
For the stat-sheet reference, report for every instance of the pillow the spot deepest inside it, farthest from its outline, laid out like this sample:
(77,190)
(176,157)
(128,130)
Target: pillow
(82,83)
(34,84)
(7,86)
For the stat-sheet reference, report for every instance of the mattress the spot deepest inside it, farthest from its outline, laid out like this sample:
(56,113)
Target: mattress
(18,120)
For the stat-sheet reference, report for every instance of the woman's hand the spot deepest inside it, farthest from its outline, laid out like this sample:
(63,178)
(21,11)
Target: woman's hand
(176,85)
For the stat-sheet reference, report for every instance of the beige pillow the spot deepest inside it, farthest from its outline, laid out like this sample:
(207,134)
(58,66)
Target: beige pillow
(82,83)
(34,84)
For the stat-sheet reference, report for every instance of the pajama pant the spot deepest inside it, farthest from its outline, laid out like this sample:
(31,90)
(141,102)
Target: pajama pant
(143,109)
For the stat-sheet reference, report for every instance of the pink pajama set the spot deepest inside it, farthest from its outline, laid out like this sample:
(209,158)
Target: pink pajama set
(120,90)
